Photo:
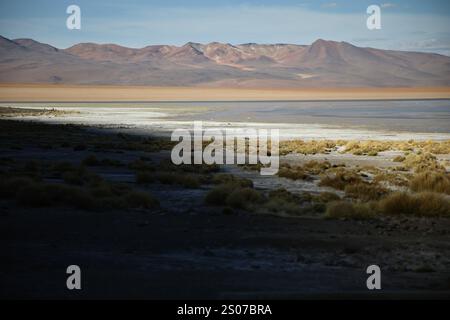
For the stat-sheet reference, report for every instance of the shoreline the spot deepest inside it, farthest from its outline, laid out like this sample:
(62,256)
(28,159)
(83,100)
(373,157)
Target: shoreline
(159,123)
(87,93)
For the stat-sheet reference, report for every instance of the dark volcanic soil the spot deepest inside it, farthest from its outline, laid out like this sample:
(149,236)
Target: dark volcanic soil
(187,250)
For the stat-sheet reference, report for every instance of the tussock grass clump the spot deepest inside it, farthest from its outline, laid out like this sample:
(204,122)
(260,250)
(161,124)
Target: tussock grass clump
(427,204)
(233,195)
(139,199)
(395,179)
(285,195)
(227,178)
(293,173)
(81,176)
(365,191)
(284,203)
(370,148)
(325,197)
(243,197)
(141,165)
(307,147)
(217,196)
(399,159)
(316,167)
(345,209)
(431,181)
(279,206)
(185,180)
(422,162)
(92,161)
(340,179)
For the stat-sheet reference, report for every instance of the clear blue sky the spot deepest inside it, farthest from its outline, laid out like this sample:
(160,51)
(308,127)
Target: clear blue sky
(418,25)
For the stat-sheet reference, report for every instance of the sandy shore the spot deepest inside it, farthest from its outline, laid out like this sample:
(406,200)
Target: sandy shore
(161,121)
(77,93)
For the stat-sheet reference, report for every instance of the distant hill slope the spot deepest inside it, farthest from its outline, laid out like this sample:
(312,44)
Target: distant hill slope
(321,64)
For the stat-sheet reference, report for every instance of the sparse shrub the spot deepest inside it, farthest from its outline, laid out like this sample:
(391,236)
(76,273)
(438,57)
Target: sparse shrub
(395,179)
(293,173)
(227,178)
(218,195)
(431,181)
(279,206)
(422,162)
(187,181)
(421,204)
(242,198)
(340,179)
(141,165)
(399,159)
(285,195)
(139,199)
(345,209)
(326,197)
(340,209)
(316,167)
(432,204)
(307,147)
(365,191)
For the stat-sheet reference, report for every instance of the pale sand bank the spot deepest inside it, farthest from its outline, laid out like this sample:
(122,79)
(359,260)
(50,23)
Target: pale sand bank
(162,122)
(69,93)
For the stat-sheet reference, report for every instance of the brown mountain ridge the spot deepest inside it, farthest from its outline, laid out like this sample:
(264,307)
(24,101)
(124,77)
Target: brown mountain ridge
(321,64)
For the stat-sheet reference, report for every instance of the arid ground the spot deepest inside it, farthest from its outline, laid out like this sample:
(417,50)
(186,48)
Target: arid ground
(46,93)
(139,227)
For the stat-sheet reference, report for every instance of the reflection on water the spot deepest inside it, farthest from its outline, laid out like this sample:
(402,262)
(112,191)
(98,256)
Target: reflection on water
(429,119)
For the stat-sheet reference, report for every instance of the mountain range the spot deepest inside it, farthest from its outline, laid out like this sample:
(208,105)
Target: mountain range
(321,64)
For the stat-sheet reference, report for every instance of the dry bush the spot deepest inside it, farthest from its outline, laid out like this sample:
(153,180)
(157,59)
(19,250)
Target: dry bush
(242,198)
(345,209)
(399,159)
(227,178)
(395,179)
(139,199)
(316,167)
(293,173)
(307,147)
(431,181)
(279,206)
(218,195)
(326,197)
(422,162)
(367,147)
(340,179)
(421,204)
(185,180)
(365,191)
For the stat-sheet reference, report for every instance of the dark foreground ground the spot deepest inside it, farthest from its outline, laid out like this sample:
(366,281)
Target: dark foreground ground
(184,249)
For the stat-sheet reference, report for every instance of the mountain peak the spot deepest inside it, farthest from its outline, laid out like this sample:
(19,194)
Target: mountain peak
(35,45)
(321,64)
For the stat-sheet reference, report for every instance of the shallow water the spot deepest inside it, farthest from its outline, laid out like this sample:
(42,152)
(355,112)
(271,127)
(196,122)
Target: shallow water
(396,120)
